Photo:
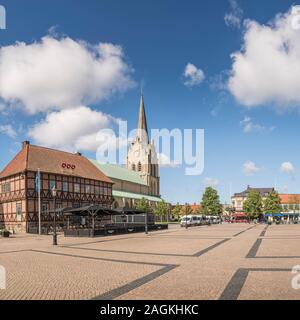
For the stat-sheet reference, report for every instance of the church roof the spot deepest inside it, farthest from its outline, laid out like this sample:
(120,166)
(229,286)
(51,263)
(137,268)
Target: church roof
(136,196)
(114,171)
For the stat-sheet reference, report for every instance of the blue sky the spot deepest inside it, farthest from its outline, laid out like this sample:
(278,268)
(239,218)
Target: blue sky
(243,125)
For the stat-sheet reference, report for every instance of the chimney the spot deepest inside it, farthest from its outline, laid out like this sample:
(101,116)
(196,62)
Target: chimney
(25,143)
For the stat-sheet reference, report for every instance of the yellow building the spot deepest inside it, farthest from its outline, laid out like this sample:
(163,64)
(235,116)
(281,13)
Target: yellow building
(238,199)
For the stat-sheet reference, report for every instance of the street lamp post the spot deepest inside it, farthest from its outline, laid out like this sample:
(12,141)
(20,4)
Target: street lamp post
(146,222)
(186,209)
(54,216)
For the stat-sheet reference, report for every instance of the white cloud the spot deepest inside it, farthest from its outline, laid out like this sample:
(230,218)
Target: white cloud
(193,75)
(8,130)
(267,68)
(3,109)
(61,73)
(72,129)
(211,182)
(165,162)
(250,168)
(287,167)
(235,16)
(249,126)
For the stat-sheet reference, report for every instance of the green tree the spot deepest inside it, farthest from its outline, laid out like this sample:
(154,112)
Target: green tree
(143,205)
(176,212)
(210,204)
(229,210)
(272,203)
(253,205)
(161,210)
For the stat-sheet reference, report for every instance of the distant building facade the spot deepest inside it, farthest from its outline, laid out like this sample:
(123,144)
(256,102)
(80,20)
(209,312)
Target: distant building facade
(290,203)
(238,199)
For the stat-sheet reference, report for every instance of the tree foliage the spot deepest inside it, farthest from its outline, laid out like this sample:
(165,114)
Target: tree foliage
(253,205)
(210,204)
(229,210)
(176,212)
(143,205)
(272,203)
(161,209)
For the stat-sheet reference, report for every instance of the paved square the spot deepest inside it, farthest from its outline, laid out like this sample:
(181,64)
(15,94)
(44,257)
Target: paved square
(226,261)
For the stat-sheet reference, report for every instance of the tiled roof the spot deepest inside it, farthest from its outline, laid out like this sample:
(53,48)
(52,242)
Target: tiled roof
(114,171)
(32,158)
(195,207)
(290,198)
(262,191)
(16,165)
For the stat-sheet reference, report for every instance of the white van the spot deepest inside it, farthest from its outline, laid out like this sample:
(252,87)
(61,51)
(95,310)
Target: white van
(213,219)
(190,221)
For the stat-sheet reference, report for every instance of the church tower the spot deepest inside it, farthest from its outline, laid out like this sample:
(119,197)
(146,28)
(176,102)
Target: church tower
(142,156)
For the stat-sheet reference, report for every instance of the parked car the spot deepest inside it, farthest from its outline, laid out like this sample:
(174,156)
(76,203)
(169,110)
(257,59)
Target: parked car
(215,219)
(212,220)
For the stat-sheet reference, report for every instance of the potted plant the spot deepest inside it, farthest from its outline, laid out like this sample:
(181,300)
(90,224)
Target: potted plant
(5,233)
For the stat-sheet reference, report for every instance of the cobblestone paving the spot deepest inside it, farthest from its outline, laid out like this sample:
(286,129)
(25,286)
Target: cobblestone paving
(218,262)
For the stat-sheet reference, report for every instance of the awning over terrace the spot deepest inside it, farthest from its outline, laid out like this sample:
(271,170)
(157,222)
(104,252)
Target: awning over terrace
(128,211)
(91,210)
(279,215)
(239,215)
(96,210)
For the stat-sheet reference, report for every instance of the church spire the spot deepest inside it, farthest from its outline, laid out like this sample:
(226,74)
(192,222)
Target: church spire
(142,123)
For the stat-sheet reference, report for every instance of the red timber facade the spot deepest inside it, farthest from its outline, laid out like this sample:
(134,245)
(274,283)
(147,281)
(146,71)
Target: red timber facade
(77,180)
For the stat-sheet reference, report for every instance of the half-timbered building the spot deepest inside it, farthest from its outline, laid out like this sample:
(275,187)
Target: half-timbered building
(78,183)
